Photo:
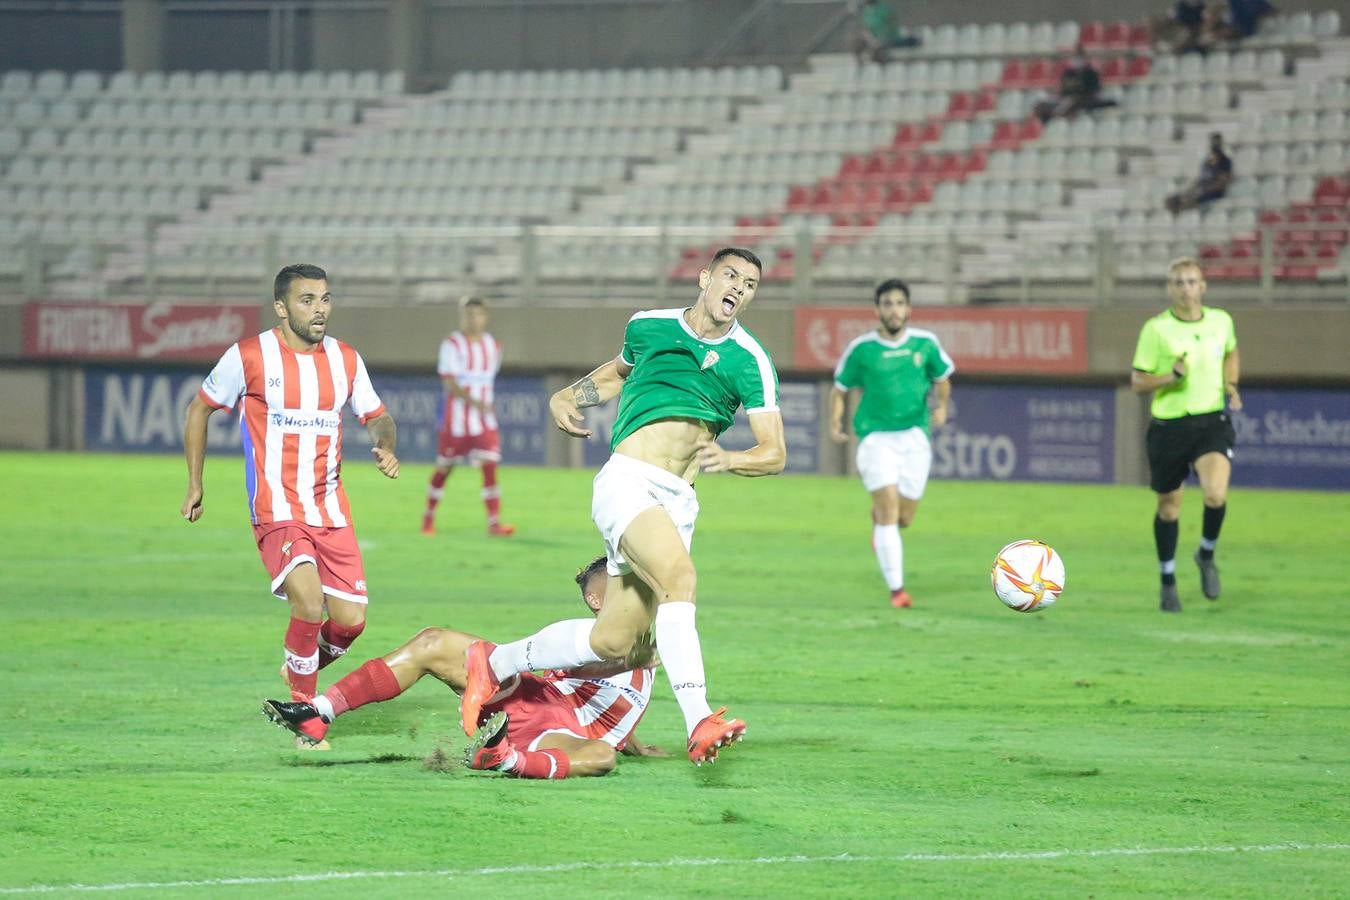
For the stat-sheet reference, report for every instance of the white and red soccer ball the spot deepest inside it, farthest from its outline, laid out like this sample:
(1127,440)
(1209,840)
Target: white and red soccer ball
(1027,575)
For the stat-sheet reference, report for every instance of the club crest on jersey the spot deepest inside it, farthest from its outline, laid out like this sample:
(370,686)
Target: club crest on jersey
(710,360)
(918,359)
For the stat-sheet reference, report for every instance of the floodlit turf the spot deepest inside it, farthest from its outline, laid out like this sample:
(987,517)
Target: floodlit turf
(957,748)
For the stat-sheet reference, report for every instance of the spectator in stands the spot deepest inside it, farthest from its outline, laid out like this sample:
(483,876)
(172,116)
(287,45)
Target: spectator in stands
(878,33)
(1180,31)
(1080,88)
(1216,173)
(1244,16)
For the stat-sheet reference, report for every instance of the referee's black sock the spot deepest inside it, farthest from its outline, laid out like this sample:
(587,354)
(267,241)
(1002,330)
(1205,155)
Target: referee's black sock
(1209,530)
(1165,538)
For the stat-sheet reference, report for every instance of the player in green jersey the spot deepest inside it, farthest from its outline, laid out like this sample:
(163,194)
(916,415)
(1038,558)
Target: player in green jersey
(1187,357)
(680,377)
(894,366)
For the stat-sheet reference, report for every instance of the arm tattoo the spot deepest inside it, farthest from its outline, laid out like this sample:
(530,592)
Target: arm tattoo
(585,393)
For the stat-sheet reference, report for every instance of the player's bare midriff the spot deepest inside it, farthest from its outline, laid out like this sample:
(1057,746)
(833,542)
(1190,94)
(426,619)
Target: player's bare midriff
(670,444)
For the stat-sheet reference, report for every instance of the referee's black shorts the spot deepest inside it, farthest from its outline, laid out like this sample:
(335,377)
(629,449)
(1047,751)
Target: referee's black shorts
(1175,444)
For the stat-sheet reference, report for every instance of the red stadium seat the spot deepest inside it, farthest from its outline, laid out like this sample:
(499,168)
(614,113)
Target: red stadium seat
(1113,70)
(929,132)
(799,198)
(1117,36)
(900,163)
(1092,35)
(897,199)
(905,136)
(961,106)
(852,165)
(1030,130)
(1005,136)
(1139,36)
(1040,73)
(1014,74)
(985,101)
(976,161)
(1138,67)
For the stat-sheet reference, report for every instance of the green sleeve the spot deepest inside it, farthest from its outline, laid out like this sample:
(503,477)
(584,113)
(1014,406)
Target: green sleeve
(847,372)
(1146,351)
(631,344)
(938,365)
(757,383)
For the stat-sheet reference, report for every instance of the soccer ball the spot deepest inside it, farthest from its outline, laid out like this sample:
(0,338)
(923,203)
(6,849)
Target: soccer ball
(1027,575)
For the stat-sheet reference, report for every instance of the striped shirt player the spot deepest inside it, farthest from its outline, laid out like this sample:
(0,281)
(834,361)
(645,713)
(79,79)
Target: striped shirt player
(680,377)
(290,385)
(469,361)
(895,366)
(548,725)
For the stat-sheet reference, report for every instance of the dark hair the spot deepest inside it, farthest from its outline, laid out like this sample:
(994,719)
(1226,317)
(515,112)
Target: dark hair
(282,286)
(471,300)
(890,284)
(589,571)
(737,251)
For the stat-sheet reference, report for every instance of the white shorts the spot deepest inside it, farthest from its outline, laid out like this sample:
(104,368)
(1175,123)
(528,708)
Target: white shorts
(901,458)
(625,487)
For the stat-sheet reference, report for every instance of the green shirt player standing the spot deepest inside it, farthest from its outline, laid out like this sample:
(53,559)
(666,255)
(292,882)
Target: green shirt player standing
(894,366)
(1187,357)
(680,377)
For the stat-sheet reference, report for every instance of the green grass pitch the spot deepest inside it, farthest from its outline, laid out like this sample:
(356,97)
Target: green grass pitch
(956,749)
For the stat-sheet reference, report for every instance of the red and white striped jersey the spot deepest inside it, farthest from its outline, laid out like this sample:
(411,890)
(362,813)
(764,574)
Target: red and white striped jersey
(607,709)
(291,423)
(474,365)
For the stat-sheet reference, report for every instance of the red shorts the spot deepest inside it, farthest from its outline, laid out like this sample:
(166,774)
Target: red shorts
(468,448)
(285,545)
(535,709)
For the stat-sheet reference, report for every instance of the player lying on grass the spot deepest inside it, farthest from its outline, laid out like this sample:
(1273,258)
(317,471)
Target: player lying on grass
(537,726)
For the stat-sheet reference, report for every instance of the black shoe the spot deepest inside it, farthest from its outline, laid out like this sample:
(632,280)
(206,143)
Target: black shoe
(1209,576)
(1169,601)
(301,718)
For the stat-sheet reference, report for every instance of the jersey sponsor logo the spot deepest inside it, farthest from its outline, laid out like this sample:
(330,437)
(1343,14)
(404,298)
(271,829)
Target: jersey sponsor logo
(634,696)
(710,360)
(902,351)
(295,421)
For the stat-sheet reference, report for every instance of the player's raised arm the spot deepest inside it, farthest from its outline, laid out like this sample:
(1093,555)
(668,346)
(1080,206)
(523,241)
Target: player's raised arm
(194,449)
(767,457)
(384,435)
(595,389)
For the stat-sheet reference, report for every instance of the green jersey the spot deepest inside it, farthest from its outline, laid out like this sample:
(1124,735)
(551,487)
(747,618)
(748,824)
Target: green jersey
(1204,343)
(677,374)
(894,376)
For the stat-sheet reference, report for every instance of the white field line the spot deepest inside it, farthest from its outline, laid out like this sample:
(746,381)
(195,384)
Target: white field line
(677,863)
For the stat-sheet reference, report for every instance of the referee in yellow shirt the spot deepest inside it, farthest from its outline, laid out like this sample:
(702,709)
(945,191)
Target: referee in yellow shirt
(1187,357)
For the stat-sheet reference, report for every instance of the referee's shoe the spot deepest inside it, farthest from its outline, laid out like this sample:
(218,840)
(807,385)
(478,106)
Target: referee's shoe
(1209,576)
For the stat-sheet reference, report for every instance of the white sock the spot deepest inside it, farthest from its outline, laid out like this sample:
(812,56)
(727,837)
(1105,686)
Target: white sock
(325,708)
(562,645)
(682,655)
(890,554)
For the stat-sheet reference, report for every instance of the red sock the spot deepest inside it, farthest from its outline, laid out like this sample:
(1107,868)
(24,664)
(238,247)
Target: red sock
(302,656)
(334,639)
(552,764)
(435,490)
(374,682)
(492,497)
